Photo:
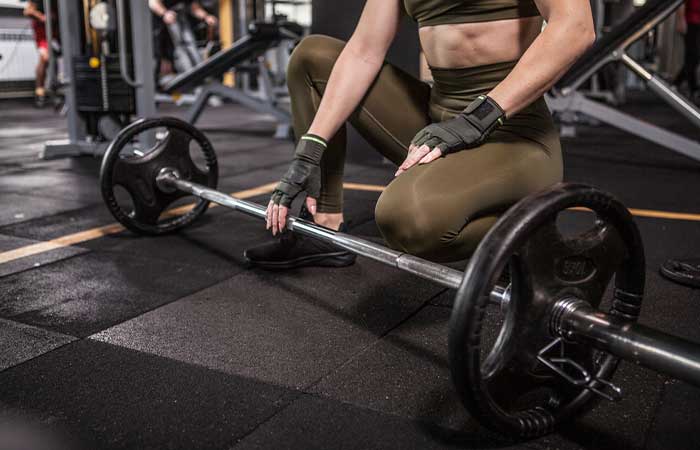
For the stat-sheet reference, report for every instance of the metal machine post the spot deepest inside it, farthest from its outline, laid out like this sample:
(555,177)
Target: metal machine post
(80,141)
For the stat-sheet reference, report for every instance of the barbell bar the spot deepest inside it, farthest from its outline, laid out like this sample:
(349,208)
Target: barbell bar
(169,180)
(555,347)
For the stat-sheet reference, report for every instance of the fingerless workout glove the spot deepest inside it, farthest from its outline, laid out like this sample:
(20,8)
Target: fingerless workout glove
(467,130)
(304,174)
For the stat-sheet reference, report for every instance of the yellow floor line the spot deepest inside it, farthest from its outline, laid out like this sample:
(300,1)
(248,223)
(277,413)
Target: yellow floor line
(95,233)
(113,228)
(364,187)
(657,214)
(665,214)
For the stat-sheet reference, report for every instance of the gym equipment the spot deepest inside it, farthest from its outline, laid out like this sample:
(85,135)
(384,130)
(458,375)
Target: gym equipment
(682,271)
(107,63)
(261,37)
(567,101)
(556,348)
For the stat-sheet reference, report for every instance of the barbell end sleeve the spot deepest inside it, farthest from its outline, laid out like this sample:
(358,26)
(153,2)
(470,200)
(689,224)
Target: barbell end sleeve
(647,347)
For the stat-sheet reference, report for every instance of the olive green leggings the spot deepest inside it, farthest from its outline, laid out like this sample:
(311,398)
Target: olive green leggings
(440,210)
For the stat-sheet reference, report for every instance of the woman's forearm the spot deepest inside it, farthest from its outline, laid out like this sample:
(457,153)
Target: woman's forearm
(157,7)
(352,75)
(198,11)
(31,11)
(549,57)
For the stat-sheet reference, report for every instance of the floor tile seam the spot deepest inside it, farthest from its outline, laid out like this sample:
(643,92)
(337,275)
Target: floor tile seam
(288,394)
(19,238)
(147,311)
(72,341)
(416,420)
(377,341)
(23,325)
(179,262)
(50,263)
(33,193)
(48,216)
(161,305)
(287,404)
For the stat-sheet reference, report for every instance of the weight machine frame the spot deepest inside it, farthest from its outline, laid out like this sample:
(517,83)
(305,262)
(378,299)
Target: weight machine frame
(80,142)
(567,100)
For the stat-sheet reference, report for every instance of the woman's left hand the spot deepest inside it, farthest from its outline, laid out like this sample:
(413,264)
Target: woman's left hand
(418,155)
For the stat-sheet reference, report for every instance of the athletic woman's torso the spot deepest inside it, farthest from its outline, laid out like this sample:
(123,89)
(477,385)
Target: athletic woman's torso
(469,33)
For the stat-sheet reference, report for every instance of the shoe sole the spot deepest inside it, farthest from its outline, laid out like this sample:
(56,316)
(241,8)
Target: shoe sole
(337,259)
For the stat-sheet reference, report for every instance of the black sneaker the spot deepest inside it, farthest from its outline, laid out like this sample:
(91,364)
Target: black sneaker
(294,250)
(40,101)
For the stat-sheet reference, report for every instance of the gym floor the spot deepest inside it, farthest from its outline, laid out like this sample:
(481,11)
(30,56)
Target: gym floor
(113,341)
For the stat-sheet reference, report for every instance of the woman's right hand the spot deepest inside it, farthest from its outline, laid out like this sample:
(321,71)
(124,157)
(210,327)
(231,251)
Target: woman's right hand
(304,174)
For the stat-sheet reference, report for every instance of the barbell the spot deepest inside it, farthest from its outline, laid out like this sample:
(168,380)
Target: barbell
(553,349)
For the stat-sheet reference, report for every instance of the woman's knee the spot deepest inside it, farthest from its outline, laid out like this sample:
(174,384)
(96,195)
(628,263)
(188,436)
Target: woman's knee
(314,54)
(408,226)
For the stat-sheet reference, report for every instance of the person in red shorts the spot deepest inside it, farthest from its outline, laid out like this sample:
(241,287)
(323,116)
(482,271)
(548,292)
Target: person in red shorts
(689,26)
(35,11)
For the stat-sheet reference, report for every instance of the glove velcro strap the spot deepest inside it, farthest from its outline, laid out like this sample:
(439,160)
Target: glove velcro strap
(311,148)
(484,113)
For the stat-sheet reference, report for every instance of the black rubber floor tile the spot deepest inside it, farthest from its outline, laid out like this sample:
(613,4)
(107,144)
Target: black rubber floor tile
(24,132)
(407,374)
(316,423)
(287,328)
(106,397)
(83,295)
(62,224)
(10,243)
(216,242)
(15,208)
(633,169)
(20,342)
(34,262)
(380,175)
(368,230)
(677,420)
(53,184)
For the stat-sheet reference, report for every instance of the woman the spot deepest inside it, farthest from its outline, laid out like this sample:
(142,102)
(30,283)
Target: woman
(35,10)
(165,12)
(469,147)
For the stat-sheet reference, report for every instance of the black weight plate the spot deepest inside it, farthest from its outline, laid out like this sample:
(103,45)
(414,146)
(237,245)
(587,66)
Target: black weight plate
(136,172)
(507,389)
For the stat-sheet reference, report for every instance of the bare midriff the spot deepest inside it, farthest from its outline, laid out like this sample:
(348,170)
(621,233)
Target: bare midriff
(478,44)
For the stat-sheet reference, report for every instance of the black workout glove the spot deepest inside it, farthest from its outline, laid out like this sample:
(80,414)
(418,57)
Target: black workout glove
(305,172)
(467,130)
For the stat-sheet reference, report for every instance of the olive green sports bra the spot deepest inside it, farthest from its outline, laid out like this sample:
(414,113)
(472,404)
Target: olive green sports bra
(440,12)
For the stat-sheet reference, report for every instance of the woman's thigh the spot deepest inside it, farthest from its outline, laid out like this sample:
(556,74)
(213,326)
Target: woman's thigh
(441,210)
(394,109)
